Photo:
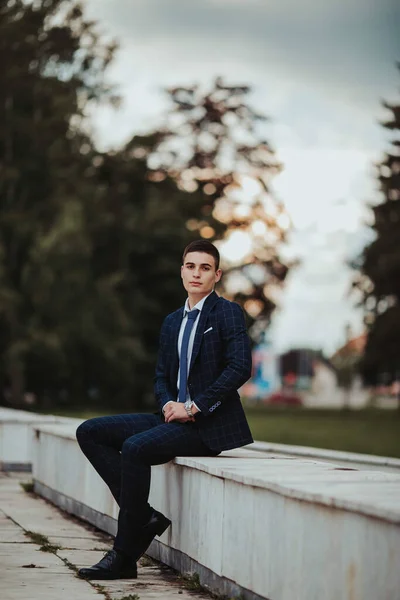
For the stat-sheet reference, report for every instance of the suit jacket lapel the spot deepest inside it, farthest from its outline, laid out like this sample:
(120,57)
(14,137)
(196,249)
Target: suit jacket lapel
(176,325)
(198,338)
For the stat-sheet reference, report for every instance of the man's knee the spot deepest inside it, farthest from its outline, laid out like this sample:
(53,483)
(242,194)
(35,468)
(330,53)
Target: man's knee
(130,448)
(136,447)
(86,429)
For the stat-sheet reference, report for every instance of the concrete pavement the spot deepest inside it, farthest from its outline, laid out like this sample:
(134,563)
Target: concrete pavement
(41,548)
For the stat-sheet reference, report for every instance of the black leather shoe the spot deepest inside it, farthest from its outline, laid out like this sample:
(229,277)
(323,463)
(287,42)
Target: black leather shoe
(156,525)
(113,565)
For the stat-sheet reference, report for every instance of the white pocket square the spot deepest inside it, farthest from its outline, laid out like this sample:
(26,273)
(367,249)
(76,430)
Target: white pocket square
(209,329)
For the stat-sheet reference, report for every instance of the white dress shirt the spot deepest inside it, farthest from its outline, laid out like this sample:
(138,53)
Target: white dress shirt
(187,309)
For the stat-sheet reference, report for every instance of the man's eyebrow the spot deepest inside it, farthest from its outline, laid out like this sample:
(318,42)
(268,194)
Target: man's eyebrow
(201,264)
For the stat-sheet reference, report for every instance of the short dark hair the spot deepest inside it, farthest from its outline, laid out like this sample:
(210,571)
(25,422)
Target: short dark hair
(202,246)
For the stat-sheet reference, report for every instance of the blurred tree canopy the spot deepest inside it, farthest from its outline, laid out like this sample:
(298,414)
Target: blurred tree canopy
(379,278)
(47,78)
(214,141)
(91,242)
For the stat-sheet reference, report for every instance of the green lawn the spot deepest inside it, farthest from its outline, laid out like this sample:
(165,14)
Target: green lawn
(369,431)
(366,431)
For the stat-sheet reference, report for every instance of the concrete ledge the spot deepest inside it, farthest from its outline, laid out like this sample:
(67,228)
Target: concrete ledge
(264,525)
(16,437)
(336,456)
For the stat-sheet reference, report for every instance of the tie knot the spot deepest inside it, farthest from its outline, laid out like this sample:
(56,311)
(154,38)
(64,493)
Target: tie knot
(192,314)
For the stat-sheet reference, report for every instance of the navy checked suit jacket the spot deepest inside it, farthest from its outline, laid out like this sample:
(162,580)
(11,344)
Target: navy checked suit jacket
(220,364)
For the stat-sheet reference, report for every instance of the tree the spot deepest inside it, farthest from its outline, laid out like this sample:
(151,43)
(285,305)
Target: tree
(89,241)
(140,247)
(49,73)
(213,141)
(379,278)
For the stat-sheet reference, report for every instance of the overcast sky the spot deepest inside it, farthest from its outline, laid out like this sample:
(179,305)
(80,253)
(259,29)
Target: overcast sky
(319,69)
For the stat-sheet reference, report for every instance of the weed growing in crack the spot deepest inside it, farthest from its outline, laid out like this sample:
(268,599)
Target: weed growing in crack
(192,582)
(146,561)
(69,565)
(27,486)
(42,541)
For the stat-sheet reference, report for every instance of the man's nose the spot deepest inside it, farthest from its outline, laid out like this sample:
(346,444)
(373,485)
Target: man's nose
(197,273)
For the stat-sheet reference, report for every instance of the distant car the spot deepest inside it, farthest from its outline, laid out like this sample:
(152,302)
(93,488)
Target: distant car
(283,399)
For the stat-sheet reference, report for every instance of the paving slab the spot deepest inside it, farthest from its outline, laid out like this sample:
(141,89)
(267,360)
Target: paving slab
(26,573)
(29,573)
(79,543)
(12,536)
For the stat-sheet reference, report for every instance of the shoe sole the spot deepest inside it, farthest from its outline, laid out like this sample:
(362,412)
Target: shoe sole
(108,576)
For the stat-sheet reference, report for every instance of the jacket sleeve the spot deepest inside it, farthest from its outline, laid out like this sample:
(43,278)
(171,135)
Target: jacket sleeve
(237,360)
(162,386)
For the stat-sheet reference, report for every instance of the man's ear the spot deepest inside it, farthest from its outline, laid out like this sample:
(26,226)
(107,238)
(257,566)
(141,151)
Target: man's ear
(182,272)
(218,275)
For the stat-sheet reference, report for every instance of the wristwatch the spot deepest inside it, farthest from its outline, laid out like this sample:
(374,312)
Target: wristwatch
(188,407)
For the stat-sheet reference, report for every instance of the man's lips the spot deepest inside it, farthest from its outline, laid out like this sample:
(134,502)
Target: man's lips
(195,283)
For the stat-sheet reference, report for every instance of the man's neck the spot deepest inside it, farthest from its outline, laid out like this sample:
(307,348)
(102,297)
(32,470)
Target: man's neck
(193,299)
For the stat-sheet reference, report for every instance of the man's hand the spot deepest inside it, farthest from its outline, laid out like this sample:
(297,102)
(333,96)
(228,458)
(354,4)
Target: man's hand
(175,411)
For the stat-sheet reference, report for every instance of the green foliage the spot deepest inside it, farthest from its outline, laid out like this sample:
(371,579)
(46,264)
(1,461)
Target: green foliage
(90,243)
(382,352)
(42,541)
(379,278)
(192,582)
(27,486)
(369,431)
(347,366)
(47,79)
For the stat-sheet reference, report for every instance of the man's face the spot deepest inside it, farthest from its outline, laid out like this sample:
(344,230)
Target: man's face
(198,274)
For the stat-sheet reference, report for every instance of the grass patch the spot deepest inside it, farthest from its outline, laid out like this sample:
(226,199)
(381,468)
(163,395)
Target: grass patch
(146,561)
(100,589)
(27,486)
(50,548)
(368,431)
(192,582)
(69,564)
(42,541)
(37,538)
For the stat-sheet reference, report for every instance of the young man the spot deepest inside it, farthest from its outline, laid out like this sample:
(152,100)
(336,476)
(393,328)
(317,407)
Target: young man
(204,357)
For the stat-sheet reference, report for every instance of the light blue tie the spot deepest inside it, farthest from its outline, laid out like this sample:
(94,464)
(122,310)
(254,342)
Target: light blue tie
(183,363)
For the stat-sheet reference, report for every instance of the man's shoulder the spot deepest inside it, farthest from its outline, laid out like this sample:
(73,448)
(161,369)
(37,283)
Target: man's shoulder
(172,316)
(227,306)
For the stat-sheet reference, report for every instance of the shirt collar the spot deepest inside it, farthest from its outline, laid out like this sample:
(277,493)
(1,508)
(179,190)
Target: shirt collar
(199,305)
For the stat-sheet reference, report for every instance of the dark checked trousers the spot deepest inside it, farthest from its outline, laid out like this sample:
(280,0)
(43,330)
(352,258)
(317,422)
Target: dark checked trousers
(122,449)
